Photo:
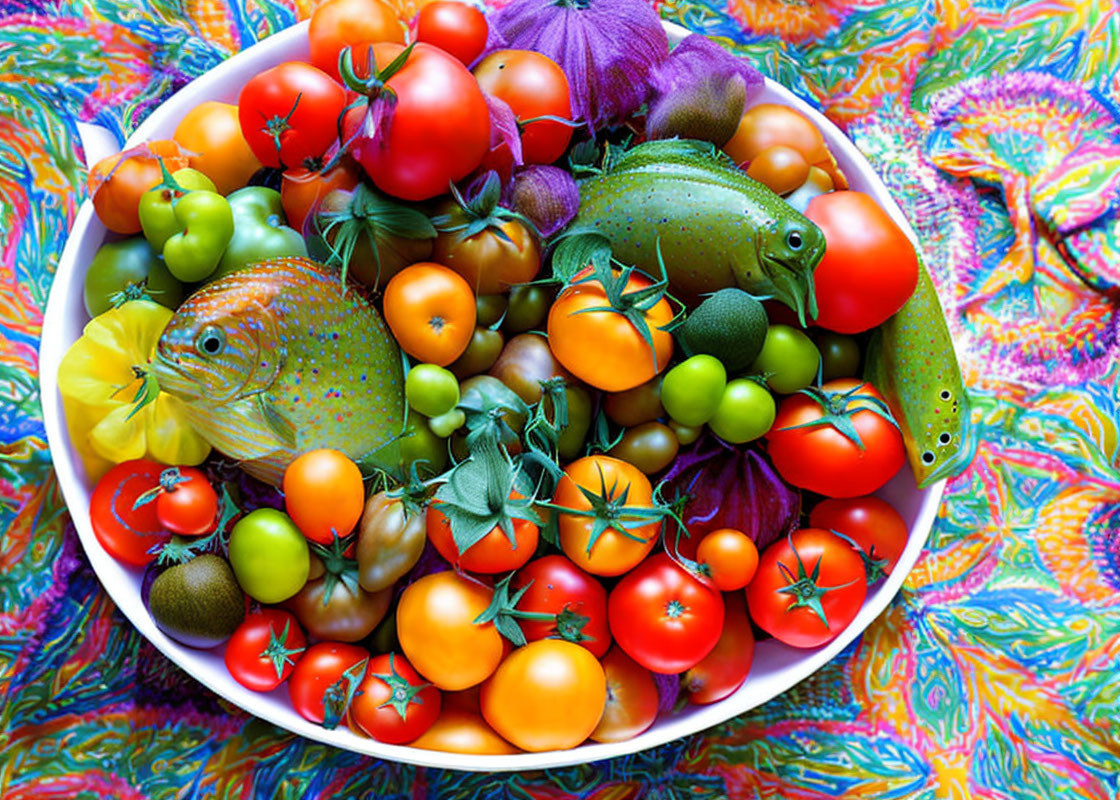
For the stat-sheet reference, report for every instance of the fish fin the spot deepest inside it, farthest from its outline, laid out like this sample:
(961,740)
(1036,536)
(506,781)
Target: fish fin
(280,425)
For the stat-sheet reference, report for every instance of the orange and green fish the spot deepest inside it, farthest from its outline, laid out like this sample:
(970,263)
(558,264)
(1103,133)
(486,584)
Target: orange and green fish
(277,359)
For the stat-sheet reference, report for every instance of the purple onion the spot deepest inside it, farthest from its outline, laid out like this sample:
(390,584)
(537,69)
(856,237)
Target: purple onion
(607,49)
(547,196)
(699,92)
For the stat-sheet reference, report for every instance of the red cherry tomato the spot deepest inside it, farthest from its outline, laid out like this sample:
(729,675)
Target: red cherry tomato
(264,650)
(394,704)
(456,27)
(187,504)
(323,666)
(557,586)
(870,522)
(128,534)
(730,557)
(725,668)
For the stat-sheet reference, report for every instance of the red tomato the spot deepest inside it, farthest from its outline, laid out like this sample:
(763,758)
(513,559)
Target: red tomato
(264,650)
(456,27)
(730,557)
(664,618)
(871,523)
(725,668)
(533,85)
(302,189)
(494,552)
(809,587)
(557,586)
(394,704)
(632,699)
(869,269)
(336,24)
(127,533)
(187,504)
(439,129)
(288,113)
(822,459)
(323,666)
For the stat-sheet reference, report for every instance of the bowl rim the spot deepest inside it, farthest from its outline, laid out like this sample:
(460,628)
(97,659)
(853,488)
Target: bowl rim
(71,484)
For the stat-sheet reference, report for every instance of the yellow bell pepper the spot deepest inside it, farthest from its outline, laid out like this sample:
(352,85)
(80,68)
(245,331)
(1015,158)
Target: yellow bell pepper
(113,406)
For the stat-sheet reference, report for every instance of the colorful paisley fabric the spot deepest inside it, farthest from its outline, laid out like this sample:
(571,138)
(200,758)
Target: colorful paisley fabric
(995,674)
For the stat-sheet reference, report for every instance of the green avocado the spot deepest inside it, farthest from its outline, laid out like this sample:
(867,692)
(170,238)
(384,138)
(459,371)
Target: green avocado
(198,603)
(730,325)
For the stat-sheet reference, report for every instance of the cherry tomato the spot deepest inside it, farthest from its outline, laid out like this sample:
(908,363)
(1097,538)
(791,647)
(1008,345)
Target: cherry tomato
(324,494)
(780,168)
(264,650)
(456,27)
(632,699)
(303,189)
(394,704)
(482,351)
(459,731)
(212,131)
(724,669)
(650,447)
(557,586)
(494,552)
(528,306)
(547,695)
(269,555)
(336,24)
(187,504)
(325,665)
(768,124)
(691,390)
(664,618)
(282,112)
(840,355)
(730,557)
(788,360)
(745,412)
(431,311)
(808,588)
(526,360)
(635,406)
(128,533)
(492,260)
(117,182)
(872,523)
(339,610)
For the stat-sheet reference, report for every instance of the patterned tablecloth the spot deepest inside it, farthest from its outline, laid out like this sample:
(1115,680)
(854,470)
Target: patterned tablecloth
(995,674)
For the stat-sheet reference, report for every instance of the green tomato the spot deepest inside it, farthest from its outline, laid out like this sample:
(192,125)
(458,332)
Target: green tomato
(489,308)
(260,230)
(528,306)
(650,447)
(157,205)
(839,355)
(691,390)
(686,434)
(431,390)
(269,556)
(446,424)
(746,412)
(206,227)
(418,444)
(789,360)
(126,267)
(570,442)
(482,351)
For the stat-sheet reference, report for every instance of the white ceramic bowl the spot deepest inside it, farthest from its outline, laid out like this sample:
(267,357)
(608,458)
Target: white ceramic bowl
(776,666)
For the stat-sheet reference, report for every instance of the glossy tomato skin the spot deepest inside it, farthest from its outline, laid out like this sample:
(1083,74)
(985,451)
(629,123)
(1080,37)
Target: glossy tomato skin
(730,556)
(322,665)
(373,709)
(872,523)
(493,553)
(841,575)
(524,362)
(664,618)
(557,585)
(453,26)
(190,507)
(302,189)
(825,461)
(117,182)
(324,494)
(725,668)
(127,533)
(336,24)
(212,131)
(440,127)
(632,699)
(488,262)
(260,644)
(869,269)
(603,348)
(533,85)
(345,615)
(290,100)
(460,731)
(612,553)
(547,695)
(431,311)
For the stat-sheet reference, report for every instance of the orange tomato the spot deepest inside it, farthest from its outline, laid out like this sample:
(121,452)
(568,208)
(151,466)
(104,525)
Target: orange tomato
(769,124)
(730,556)
(614,552)
(431,311)
(435,626)
(780,168)
(547,695)
(350,23)
(489,263)
(116,182)
(324,494)
(459,731)
(603,348)
(213,131)
(301,189)
(494,552)
(631,699)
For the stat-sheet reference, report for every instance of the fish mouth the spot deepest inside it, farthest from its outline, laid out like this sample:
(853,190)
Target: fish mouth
(173,379)
(794,286)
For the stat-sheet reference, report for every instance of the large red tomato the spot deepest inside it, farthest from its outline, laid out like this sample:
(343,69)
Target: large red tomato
(810,450)
(869,269)
(664,618)
(438,131)
(128,533)
(557,586)
(870,522)
(808,588)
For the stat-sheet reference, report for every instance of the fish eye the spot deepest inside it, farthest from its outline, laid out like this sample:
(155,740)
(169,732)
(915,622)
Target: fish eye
(946,394)
(928,457)
(793,239)
(211,340)
(945,438)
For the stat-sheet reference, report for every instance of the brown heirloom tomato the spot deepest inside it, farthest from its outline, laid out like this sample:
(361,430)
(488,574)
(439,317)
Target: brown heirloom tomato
(390,540)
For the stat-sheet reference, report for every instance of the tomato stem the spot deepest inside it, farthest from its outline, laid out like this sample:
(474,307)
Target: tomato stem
(402,694)
(278,651)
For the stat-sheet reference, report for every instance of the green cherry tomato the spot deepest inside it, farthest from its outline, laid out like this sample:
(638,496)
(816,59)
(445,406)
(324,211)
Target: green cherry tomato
(446,424)
(839,355)
(572,437)
(489,308)
(746,412)
(686,434)
(650,447)
(528,306)
(691,390)
(206,227)
(482,351)
(157,205)
(431,390)
(269,555)
(419,444)
(635,406)
(260,230)
(128,266)
(789,359)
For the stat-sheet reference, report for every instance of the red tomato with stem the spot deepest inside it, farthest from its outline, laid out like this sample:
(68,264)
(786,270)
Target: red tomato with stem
(870,522)
(128,533)
(809,587)
(494,552)
(394,704)
(632,699)
(325,680)
(186,502)
(453,26)
(664,618)
(557,586)
(288,113)
(725,668)
(264,650)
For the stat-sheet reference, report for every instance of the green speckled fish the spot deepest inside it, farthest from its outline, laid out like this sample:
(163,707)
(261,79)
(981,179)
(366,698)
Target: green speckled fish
(275,360)
(911,360)
(715,227)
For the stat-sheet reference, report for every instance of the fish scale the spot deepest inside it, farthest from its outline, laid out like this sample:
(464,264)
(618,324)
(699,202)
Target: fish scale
(300,364)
